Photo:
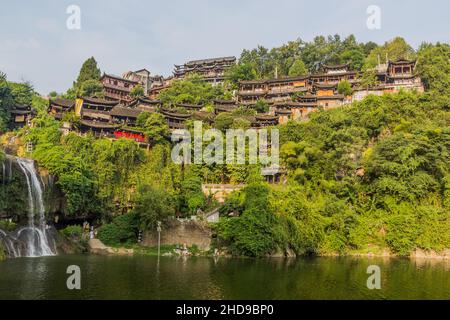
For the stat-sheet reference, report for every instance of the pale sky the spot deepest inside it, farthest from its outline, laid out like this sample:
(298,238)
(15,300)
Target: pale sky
(36,46)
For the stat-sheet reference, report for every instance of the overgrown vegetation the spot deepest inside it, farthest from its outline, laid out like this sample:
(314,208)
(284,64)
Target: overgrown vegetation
(370,176)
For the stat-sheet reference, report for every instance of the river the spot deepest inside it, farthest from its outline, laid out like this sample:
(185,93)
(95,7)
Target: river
(117,277)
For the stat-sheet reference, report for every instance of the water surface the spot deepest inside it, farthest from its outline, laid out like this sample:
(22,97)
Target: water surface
(206,278)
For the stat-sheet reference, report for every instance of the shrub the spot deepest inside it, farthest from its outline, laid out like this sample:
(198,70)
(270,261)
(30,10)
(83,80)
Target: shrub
(72,232)
(7,225)
(122,230)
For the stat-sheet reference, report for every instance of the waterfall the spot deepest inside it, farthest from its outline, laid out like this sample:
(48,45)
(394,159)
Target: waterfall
(34,239)
(3,173)
(11,247)
(37,242)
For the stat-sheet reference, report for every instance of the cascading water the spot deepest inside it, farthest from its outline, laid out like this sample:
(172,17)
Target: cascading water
(37,240)
(32,240)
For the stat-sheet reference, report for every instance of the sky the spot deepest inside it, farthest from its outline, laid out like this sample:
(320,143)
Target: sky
(37,46)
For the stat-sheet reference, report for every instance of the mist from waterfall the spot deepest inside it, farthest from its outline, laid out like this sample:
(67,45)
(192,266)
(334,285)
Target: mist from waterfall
(32,240)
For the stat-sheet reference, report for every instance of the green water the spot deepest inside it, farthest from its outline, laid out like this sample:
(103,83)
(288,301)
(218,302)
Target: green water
(206,278)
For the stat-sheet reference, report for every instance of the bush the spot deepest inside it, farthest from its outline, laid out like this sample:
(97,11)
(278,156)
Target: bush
(72,231)
(7,225)
(122,230)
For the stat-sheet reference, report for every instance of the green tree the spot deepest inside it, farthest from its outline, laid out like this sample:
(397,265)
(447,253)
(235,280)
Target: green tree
(137,91)
(261,106)
(91,88)
(155,127)
(192,90)
(22,93)
(6,99)
(394,50)
(368,78)
(345,88)
(152,205)
(223,121)
(298,68)
(240,72)
(89,71)
(433,66)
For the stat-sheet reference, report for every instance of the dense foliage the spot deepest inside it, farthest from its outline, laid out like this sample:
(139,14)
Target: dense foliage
(368,177)
(301,57)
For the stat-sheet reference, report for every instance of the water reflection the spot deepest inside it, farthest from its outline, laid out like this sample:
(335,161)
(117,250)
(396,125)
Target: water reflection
(209,278)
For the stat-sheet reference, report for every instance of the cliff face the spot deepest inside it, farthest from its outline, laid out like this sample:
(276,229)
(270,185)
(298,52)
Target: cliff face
(181,232)
(14,195)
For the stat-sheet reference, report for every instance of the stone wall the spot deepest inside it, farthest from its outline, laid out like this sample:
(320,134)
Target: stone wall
(181,232)
(220,191)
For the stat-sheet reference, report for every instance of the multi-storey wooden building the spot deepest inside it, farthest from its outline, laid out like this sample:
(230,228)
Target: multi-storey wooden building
(296,97)
(21,115)
(142,76)
(211,70)
(393,77)
(117,88)
(58,108)
(224,106)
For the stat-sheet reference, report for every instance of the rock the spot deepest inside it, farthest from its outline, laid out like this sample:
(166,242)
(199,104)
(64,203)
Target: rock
(430,254)
(98,247)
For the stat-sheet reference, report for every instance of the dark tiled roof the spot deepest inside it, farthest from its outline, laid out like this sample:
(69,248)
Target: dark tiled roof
(105,75)
(174,114)
(66,103)
(98,101)
(288,79)
(99,124)
(189,106)
(212,60)
(402,61)
(121,111)
(333,97)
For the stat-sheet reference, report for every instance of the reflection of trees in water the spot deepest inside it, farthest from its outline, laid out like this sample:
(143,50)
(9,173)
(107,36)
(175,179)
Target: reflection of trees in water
(136,277)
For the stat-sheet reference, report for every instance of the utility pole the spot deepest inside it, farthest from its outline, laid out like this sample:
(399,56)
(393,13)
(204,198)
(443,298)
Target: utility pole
(158,229)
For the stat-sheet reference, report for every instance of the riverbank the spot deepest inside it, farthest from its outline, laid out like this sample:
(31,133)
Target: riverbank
(97,247)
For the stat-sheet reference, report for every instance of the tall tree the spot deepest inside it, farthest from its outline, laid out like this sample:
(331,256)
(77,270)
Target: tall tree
(433,65)
(89,71)
(6,100)
(137,91)
(91,88)
(298,68)
(393,50)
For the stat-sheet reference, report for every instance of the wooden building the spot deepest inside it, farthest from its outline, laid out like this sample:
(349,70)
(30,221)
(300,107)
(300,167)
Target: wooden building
(211,70)
(175,119)
(142,76)
(94,115)
(189,106)
(60,107)
(282,89)
(391,78)
(224,106)
(264,120)
(145,104)
(21,115)
(117,88)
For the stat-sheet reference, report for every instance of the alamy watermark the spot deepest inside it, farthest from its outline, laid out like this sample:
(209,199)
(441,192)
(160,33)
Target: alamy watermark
(374,280)
(73,22)
(207,147)
(74,280)
(373,21)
